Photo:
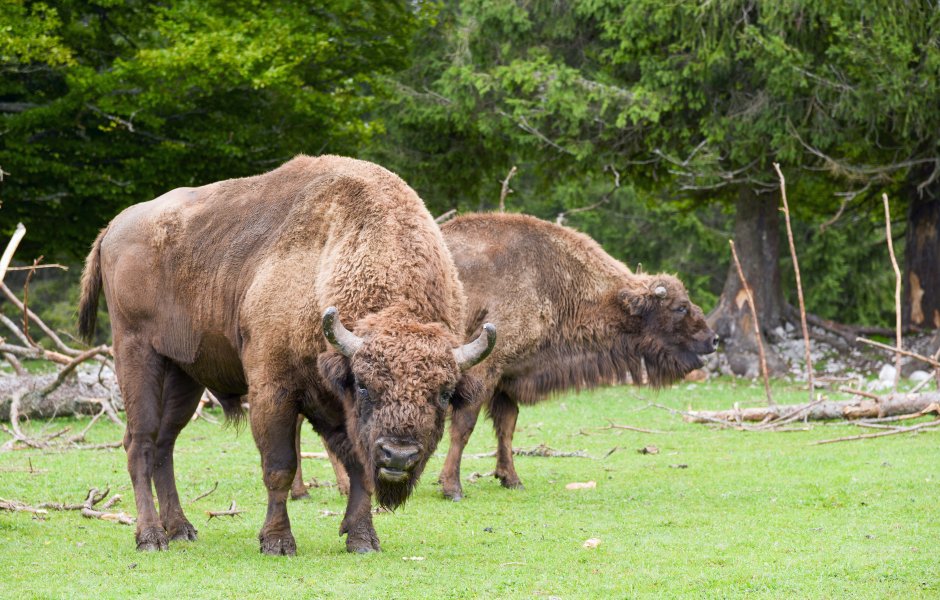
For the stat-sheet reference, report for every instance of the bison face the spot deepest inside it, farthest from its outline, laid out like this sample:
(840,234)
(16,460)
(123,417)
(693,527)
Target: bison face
(666,329)
(396,387)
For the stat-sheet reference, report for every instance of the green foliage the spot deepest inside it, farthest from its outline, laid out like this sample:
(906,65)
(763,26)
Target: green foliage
(686,102)
(702,518)
(115,103)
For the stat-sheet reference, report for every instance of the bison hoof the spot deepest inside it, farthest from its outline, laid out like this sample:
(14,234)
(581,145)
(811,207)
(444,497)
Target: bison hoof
(278,545)
(511,482)
(304,495)
(152,539)
(453,492)
(183,532)
(363,545)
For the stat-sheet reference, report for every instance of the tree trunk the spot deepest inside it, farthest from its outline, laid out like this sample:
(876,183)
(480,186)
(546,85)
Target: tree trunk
(921,278)
(757,240)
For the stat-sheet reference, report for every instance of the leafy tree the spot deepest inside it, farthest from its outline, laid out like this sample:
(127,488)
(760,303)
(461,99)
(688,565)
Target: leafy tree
(686,101)
(103,104)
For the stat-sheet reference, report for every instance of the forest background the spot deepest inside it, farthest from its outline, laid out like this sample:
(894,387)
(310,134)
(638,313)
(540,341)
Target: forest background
(651,126)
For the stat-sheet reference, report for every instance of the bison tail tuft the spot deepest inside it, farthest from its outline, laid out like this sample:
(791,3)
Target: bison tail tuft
(91,290)
(232,407)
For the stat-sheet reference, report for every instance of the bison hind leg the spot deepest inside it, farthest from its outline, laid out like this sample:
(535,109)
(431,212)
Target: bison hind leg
(181,394)
(504,411)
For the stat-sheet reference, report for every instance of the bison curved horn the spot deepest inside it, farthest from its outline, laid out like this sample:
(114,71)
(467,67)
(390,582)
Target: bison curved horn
(341,338)
(475,351)
(660,291)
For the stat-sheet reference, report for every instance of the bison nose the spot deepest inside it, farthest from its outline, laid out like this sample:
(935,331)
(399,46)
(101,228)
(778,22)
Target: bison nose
(715,341)
(396,455)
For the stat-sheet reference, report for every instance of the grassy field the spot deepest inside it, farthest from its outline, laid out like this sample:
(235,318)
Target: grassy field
(716,513)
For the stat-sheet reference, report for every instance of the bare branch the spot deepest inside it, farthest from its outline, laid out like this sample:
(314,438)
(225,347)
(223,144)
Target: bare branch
(897,293)
(11,249)
(232,511)
(45,329)
(895,431)
(204,494)
(760,341)
(799,283)
(930,361)
(505,190)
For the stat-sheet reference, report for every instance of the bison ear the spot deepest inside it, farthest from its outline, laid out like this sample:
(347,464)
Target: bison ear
(643,302)
(336,372)
(636,304)
(468,393)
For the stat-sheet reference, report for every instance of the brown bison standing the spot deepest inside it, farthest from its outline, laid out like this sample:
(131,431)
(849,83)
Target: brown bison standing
(232,287)
(571,316)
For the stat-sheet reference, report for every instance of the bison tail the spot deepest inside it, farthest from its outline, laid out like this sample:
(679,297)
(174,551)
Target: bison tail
(232,407)
(91,289)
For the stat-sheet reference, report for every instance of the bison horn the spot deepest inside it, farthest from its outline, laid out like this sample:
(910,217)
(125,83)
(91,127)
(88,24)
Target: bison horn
(474,352)
(660,291)
(341,338)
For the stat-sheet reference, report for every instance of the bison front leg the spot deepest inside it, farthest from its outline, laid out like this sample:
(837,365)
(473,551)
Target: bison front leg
(140,374)
(357,522)
(274,426)
(461,427)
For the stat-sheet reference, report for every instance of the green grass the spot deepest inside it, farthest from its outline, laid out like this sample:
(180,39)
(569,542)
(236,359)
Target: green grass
(765,515)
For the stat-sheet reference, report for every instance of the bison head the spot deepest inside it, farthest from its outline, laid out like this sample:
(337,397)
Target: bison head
(397,382)
(665,329)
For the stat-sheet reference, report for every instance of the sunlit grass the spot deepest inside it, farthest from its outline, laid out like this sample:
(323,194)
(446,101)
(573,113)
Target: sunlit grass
(716,513)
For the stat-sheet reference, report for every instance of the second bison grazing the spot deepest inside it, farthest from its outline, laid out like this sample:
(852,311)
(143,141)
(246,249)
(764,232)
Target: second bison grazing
(242,287)
(570,316)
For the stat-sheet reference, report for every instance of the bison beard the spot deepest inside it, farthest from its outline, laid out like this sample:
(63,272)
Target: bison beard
(392,494)
(664,365)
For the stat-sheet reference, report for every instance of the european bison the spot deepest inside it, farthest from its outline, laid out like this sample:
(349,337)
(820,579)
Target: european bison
(239,286)
(570,316)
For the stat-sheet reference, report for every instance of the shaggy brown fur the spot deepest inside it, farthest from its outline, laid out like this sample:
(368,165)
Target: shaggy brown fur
(569,315)
(224,287)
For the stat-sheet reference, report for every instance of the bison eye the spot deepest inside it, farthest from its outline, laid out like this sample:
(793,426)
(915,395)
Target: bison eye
(361,391)
(445,397)
(682,310)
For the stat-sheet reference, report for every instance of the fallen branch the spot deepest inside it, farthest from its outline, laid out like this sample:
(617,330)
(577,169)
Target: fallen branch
(865,436)
(540,450)
(232,511)
(612,425)
(797,413)
(701,417)
(16,506)
(890,405)
(204,494)
(87,507)
(319,455)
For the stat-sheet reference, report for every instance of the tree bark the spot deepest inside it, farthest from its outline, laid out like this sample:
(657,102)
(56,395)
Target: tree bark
(757,239)
(921,296)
